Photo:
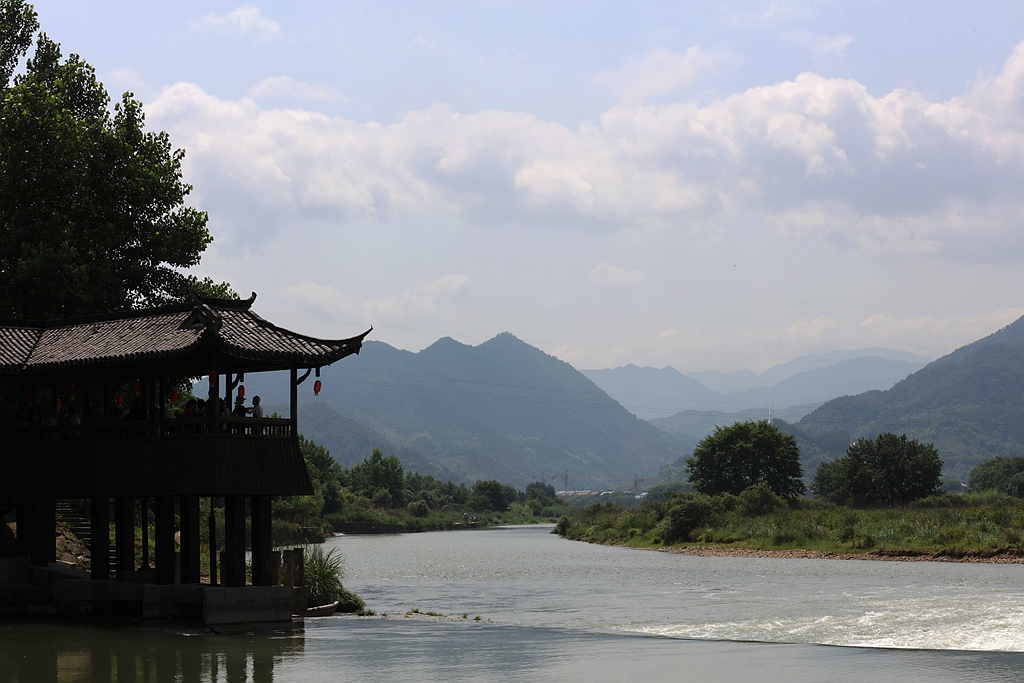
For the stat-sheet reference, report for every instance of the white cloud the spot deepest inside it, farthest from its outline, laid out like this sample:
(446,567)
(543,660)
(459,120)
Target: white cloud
(422,301)
(125,78)
(287,88)
(822,46)
(811,158)
(422,43)
(669,333)
(607,275)
(245,20)
(773,11)
(659,73)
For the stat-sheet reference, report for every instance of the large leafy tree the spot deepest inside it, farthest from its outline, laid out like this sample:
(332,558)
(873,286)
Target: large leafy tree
(92,206)
(1005,475)
(887,470)
(376,474)
(745,454)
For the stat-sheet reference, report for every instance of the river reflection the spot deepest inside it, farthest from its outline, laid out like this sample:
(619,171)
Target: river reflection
(45,652)
(414,649)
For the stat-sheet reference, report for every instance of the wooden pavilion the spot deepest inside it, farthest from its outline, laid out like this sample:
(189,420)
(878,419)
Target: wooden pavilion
(94,367)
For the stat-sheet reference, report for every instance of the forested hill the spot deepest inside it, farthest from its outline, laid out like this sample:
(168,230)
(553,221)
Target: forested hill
(969,403)
(502,410)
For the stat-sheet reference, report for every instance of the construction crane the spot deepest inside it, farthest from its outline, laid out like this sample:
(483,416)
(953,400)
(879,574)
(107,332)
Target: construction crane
(636,482)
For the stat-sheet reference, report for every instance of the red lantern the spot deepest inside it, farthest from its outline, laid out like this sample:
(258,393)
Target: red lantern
(119,399)
(73,392)
(213,378)
(174,396)
(138,386)
(58,405)
(317,385)
(241,390)
(29,398)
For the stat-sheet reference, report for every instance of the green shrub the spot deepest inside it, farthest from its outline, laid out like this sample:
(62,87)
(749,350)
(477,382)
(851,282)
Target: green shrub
(686,512)
(760,500)
(349,602)
(419,508)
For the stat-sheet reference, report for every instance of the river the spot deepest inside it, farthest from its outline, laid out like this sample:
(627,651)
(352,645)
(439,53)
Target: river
(557,610)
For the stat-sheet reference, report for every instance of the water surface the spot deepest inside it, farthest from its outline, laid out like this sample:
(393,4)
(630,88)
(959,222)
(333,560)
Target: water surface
(555,610)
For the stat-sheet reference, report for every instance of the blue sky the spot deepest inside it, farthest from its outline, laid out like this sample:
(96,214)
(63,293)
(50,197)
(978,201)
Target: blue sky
(703,185)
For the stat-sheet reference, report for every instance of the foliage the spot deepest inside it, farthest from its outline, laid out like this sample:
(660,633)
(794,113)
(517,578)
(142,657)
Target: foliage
(1005,475)
(92,208)
(889,470)
(378,477)
(944,525)
(378,490)
(969,404)
(745,454)
(541,499)
(323,573)
(491,494)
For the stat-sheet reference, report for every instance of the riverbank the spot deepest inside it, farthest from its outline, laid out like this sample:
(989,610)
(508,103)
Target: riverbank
(962,528)
(998,557)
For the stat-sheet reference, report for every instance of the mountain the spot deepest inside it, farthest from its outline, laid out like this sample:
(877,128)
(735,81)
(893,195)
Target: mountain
(650,393)
(741,380)
(969,403)
(350,442)
(502,410)
(853,376)
(696,424)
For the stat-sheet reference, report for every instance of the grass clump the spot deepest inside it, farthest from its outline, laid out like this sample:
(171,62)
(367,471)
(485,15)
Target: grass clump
(324,571)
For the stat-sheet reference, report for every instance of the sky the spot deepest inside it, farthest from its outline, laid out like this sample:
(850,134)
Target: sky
(706,185)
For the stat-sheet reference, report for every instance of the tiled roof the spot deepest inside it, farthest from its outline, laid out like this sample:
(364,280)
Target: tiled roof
(210,328)
(15,346)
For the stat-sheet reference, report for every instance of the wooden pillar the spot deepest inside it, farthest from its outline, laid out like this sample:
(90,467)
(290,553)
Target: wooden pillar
(124,534)
(212,396)
(24,527)
(261,540)
(100,531)
(164,540)
(189,516)
(294,401)
(213,542)
(144,516)
(43,537)
(233,570)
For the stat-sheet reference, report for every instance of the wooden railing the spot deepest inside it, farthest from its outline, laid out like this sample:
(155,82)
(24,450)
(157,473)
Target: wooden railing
(244,427)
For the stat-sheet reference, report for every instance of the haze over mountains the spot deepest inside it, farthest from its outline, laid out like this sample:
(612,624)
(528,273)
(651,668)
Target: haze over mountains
(806,381)
(502,410)
(506,410)
(969,403)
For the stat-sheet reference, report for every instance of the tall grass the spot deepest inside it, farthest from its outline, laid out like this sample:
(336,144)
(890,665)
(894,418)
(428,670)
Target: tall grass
(982,524)
(324,571)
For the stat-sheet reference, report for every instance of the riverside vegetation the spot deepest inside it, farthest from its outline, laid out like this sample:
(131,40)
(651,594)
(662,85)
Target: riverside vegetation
(881,497)
(973,524)
(379,491)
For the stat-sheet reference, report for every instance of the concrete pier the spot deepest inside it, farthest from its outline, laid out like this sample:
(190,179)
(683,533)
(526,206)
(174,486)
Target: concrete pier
(58,590)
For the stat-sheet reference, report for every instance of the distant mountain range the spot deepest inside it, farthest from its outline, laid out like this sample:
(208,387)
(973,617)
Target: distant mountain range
(653,393)
(727,382)
(502,410)
(969,403)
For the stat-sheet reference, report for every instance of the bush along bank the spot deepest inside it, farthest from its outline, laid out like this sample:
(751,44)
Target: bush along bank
(378,493)
(971,525)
